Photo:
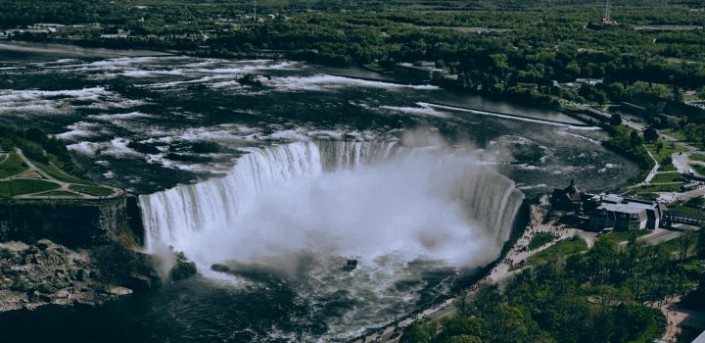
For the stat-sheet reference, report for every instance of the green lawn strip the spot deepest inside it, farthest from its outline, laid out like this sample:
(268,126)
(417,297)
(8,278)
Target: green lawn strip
(667,167)
(666,150)
(56,173)
(675,245)
(12,166)
(58,194)
(622,236)
(666,177)
(562,248)
(92,190)
(540,239)
(699,168)
(12,188)
(675,134)
(670,187)
(680,208)
(697,157)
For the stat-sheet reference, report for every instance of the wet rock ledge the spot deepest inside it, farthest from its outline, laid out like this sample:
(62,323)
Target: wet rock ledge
(44,273)
(77,252)
(47,273)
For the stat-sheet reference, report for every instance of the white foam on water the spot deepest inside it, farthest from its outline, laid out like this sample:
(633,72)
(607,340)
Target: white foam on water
(121,116)
(81,129)
(324,82)
(418,111)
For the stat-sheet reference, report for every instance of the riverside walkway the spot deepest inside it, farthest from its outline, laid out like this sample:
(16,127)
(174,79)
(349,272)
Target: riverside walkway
(507,267)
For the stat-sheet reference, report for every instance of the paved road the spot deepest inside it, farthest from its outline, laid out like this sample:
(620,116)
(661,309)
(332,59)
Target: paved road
(659,236)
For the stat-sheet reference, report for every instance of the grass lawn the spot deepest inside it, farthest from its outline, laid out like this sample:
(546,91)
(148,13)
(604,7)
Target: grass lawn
(666,151)
(57,174)
(667,167)
(12,166)
(671,187)
(699,168)
(675,134)
(666,177)
(12,188)
(675,245)
(697,157)
(562,248)
(59,194)
(622,236)
(681,208)
(92,190)
(540,239)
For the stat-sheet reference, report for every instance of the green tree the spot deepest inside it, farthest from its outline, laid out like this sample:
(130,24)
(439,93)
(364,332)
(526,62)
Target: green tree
(701,243)
(635,138)
(616,119)
(650,134)
(464,339)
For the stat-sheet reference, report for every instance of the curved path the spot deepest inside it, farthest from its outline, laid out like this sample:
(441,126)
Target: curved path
(511,265)
(63,186)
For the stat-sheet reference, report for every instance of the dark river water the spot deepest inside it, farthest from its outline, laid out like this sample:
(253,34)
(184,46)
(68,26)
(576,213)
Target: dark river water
(148,124)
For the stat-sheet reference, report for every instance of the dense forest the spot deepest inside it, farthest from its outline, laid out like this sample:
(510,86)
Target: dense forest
(609,294)
(518,48)
(534,51)
(39,147)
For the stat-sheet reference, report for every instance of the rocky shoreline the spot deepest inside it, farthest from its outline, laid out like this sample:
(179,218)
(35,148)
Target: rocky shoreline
(46,273)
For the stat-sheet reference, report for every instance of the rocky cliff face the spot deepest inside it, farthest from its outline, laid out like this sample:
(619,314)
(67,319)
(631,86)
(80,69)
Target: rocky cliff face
(79,223)
(48,273)
(76,252)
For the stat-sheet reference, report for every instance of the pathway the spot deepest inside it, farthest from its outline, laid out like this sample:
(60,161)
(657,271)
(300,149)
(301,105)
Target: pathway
(654,170)
(502,272)
(677,317)
(63,186)
(659,236)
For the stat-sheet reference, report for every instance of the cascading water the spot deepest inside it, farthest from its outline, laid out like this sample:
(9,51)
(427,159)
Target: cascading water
(182,216)
(173,216)
(290,215)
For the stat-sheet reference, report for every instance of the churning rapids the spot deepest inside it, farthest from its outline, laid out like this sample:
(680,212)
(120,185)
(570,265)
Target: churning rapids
(294,213)
(283,181)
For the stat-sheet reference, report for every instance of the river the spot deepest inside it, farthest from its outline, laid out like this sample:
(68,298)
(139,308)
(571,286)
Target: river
(344,168)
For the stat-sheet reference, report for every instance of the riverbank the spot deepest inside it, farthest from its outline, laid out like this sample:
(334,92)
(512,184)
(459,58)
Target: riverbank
(66,48)
(46,273)
(527,218)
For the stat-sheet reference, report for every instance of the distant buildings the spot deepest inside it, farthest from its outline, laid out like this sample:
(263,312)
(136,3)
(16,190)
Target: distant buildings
(608,211)
(568,199)
(578,83)
(119,34)
(643,104)
(625,214)
(420,71)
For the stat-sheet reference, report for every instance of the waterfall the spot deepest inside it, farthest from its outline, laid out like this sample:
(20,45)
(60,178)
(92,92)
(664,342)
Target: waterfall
(173,216)
(494,197)
(447,200)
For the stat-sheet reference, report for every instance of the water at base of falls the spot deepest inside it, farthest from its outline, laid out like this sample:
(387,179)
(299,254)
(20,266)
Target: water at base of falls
(288,217)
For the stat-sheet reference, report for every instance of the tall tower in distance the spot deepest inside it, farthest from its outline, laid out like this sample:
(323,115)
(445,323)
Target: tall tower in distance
(607,19)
